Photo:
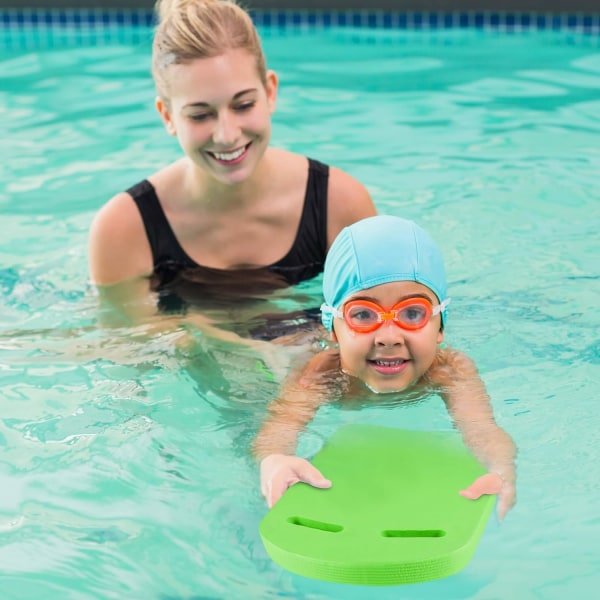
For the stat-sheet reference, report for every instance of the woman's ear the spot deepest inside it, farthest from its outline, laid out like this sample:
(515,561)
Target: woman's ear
(271,87)
(165,115)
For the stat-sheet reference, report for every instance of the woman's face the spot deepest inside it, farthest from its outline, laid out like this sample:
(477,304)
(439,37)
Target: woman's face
(389,359)
(220,111)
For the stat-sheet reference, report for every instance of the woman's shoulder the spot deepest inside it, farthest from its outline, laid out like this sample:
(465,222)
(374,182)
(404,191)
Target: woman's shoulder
(286,160)
(348,200)
(118,248)
(117,212)
(121,210)
(118,244)
(122,200)
(166,178)
(341,183)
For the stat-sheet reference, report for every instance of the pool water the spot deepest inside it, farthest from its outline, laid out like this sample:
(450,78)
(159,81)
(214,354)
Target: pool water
(124,468)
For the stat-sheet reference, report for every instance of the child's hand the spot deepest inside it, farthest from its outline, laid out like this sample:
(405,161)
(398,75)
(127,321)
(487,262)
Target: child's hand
(278,472)
(492,483)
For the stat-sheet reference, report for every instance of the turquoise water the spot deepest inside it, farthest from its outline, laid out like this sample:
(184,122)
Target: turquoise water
(123,463)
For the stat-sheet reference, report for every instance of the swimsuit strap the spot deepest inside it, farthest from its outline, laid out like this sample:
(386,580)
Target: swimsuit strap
(163,242)
(310,243)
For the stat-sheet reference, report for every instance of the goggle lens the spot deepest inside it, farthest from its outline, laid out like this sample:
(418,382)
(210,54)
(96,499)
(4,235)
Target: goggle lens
(364,315)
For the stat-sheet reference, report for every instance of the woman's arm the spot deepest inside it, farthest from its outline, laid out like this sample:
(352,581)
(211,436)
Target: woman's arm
(468,403)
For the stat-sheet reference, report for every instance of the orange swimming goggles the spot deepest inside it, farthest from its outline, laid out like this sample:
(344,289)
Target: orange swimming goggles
(364,316)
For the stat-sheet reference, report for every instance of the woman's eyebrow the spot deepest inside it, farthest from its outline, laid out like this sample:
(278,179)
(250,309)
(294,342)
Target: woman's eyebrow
(205,104)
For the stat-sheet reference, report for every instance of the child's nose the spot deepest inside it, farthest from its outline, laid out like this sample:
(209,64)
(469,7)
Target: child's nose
(389,334)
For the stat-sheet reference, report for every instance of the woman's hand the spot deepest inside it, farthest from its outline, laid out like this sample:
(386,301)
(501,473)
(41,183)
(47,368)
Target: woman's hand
(492,483)
(278,472)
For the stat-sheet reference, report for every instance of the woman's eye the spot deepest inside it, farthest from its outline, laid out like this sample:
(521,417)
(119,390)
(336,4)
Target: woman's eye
(244,106)
(200,117)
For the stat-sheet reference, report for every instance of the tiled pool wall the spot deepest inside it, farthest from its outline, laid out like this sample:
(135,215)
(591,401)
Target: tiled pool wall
(589,6)
(29,23)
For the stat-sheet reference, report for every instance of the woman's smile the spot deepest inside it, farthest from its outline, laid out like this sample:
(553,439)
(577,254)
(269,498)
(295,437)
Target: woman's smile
(232,157)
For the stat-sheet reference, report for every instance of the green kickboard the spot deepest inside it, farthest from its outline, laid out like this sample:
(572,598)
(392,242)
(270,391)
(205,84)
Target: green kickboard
(392,516)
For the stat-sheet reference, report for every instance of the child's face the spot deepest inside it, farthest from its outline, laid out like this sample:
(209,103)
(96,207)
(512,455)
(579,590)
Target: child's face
(389,359)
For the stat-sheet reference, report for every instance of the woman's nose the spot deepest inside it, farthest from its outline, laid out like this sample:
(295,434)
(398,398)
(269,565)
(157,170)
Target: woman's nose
(226,130)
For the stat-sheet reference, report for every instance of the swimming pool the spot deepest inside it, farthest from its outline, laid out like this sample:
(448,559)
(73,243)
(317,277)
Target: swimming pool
(124,469)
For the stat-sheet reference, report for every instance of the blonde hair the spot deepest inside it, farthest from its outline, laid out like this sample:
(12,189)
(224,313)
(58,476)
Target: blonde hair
(191,29)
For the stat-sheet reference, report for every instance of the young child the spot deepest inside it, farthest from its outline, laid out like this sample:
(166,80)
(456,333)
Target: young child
(384,285)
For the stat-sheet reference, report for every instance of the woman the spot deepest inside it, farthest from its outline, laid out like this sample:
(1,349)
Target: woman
(233,217)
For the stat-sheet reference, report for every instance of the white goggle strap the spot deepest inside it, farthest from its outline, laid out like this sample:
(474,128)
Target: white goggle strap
(328,313)
(441,307)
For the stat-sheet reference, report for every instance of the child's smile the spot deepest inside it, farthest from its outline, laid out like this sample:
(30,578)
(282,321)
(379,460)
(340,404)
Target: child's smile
(388,366)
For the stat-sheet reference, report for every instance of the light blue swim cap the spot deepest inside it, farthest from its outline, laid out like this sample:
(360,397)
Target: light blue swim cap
(379,250)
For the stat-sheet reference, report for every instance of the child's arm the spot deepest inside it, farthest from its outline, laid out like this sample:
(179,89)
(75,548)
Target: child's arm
(302,394)
(468,403)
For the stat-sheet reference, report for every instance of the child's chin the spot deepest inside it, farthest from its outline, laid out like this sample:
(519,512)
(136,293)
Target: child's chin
(390,388)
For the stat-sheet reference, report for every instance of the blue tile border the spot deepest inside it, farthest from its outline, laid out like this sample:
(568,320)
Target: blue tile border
(83,18)
(588,23)
(295,18)
(56,26)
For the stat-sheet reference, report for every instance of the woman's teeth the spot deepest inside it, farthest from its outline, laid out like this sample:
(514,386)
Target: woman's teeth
(229,155)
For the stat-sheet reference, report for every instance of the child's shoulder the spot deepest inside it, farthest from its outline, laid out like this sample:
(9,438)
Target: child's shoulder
(449,366)
(323,362)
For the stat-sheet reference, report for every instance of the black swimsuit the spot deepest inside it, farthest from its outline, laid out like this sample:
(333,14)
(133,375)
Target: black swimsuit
(180,281)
